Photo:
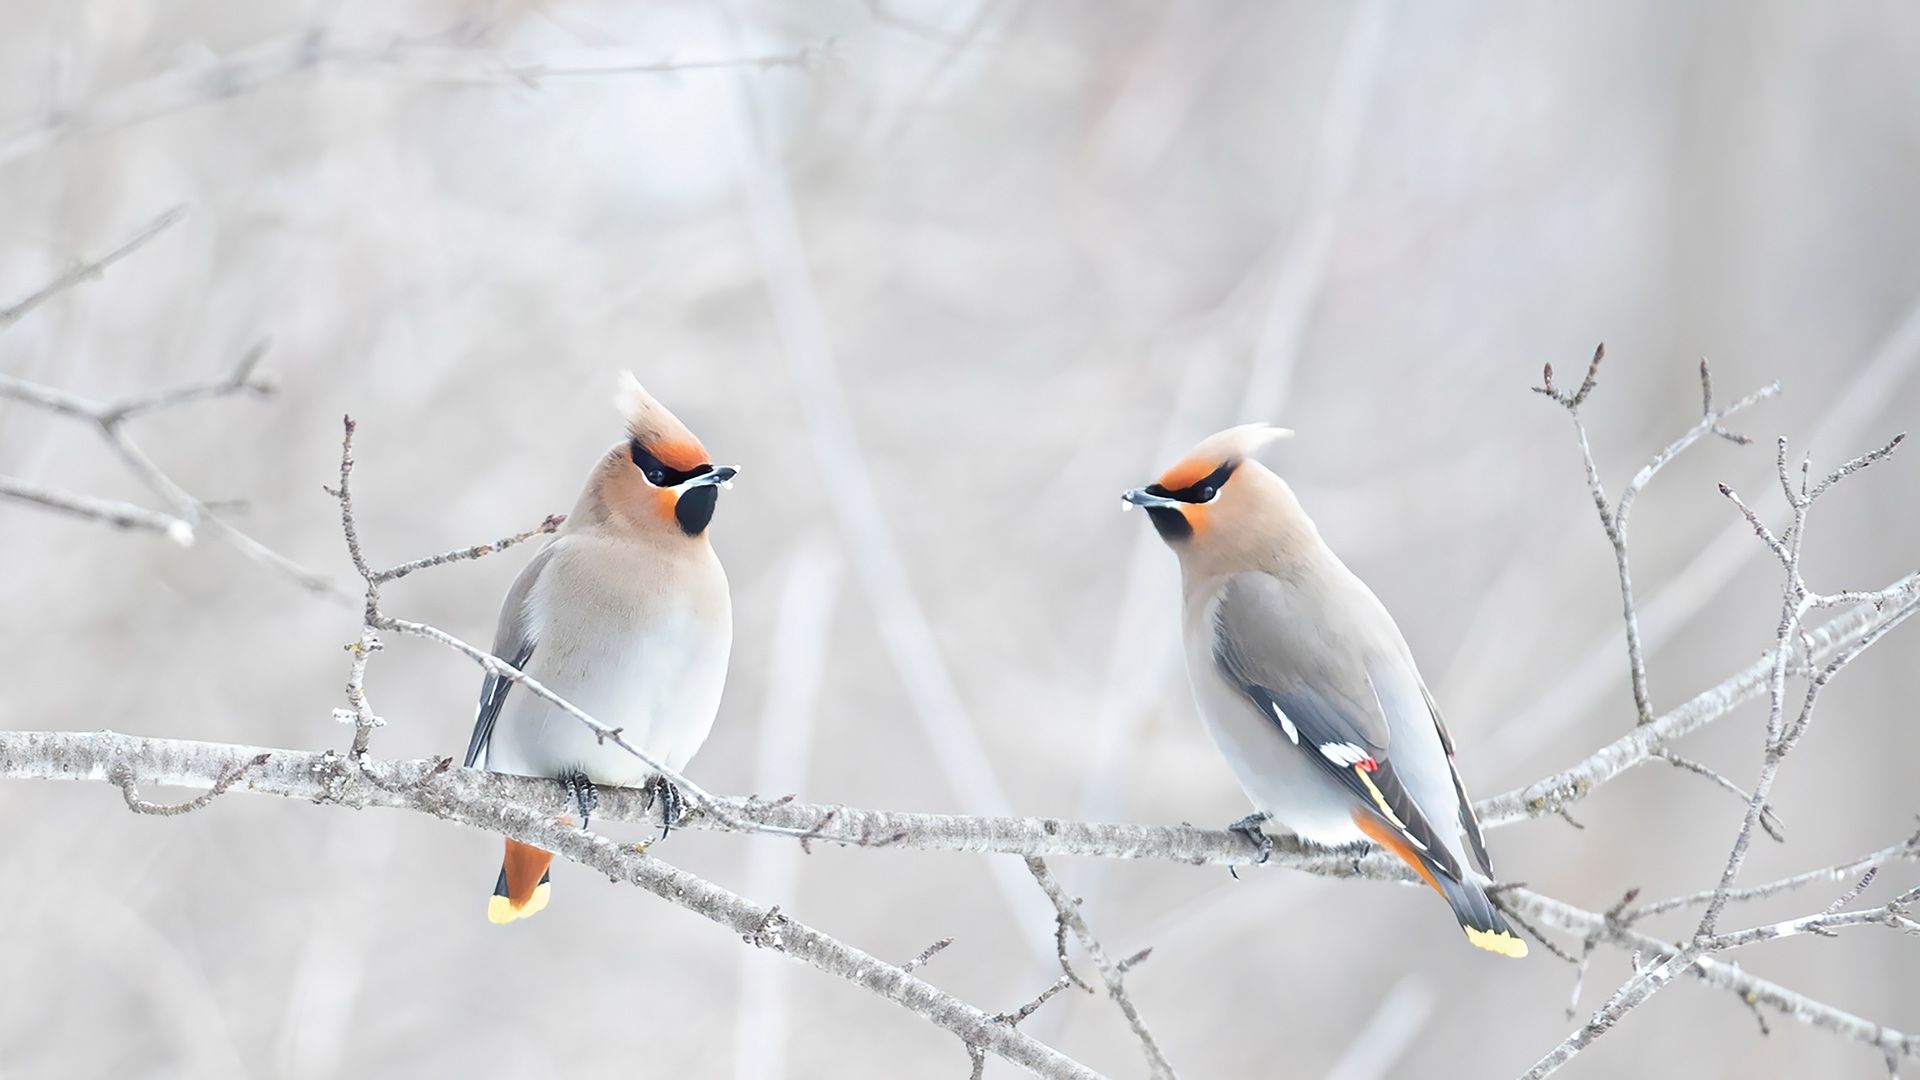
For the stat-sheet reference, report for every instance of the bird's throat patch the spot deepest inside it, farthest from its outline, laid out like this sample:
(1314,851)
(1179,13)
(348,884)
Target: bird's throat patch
(1171,524)
(694,511)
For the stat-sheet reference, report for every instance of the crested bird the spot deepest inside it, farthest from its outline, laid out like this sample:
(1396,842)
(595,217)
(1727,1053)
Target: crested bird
(1305,683)
(626,615)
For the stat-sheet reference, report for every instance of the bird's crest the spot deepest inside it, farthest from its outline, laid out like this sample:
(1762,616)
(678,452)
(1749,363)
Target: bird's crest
(1233,444)
(656,428)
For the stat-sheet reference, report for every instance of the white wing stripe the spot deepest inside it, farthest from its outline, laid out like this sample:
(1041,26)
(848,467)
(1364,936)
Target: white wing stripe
(1286,725)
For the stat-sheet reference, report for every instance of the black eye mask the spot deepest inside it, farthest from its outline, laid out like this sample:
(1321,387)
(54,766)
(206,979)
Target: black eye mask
(657,472)
(1201,490)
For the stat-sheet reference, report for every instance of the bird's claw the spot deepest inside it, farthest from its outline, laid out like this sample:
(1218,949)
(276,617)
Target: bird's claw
(1250,827)
(581,793)
(673,806)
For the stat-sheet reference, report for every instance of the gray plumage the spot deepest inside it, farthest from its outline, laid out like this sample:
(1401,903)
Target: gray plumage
(1306,684)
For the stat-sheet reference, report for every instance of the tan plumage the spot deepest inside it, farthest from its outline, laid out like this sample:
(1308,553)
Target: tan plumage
(1305,682)
(626,614)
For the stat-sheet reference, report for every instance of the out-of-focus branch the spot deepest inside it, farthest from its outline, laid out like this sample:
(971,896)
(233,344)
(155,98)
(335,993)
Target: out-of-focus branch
(109,418)
(1614,516)
(1112,972)
(120,515)
(432,787)
(905,630)
(92,268)
(189,513)
(460,56)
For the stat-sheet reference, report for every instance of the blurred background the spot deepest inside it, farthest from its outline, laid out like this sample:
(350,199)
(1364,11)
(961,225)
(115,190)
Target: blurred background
(944,279)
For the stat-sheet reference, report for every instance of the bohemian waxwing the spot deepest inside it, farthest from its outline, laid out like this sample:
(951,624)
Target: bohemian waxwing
(1305,683)
(626,614)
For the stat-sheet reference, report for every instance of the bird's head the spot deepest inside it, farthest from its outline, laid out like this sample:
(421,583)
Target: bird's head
(1216,493)
(659,480)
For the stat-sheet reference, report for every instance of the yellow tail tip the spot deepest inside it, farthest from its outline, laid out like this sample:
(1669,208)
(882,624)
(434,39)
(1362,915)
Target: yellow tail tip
(501,911)
(1502,942)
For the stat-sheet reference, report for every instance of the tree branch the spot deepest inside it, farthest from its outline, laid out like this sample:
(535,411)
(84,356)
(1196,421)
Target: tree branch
(327,777)
(459,56)
(1613,518)
(1112,973)
(92,268)
(492,803)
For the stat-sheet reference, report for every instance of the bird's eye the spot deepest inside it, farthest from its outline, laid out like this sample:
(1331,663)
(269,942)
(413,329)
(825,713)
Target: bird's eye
(1207,492)
(656,477)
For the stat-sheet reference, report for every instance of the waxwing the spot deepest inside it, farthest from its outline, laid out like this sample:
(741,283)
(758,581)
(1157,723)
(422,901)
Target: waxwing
(625,614)
(1305,683)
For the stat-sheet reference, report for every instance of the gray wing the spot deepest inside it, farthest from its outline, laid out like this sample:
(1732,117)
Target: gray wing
(1469,821)
(1327,675)
(513,641)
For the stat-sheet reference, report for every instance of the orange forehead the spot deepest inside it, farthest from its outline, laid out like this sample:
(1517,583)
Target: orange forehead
(1188,472)
(677,454)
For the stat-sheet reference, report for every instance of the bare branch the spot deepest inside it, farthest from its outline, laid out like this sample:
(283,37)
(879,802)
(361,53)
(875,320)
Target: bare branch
(189,512)
(92,268)
(546,528)
(1795,603)
(494,803)
(458,56)
(927,954)
(1614,518)
(1907,849)
(120,515)
(122,776)
(1768,819)
(1111,973)
(1782,736)
(327,777)
(1636,747)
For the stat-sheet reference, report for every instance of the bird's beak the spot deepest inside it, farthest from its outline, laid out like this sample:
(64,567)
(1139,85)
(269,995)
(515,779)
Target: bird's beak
(1143,497)
(720,476)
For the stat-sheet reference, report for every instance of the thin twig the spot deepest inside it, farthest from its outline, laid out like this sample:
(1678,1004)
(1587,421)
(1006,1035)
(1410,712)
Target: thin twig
(1768,819)
(1906,849)
(92,268)
(1114,975)
(457,57)
(1615,516)
(927,954)
(191,514)
(122,775)
(120,515)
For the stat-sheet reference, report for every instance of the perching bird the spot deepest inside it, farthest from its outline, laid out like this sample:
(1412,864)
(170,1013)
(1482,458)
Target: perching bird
(626,615)
(1305,683)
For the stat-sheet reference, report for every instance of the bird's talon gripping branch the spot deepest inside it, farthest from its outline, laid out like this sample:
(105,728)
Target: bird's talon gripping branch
(673,805)
(1250,827)
(581,793)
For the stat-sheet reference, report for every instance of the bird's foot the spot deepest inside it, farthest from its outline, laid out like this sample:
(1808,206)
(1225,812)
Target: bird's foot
(673,805)
(1250,827)
(581,793)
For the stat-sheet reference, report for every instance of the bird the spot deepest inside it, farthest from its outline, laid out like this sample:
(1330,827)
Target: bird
(626,614)
(1306,684)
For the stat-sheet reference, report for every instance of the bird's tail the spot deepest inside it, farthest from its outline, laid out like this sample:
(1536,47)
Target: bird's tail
(1483,923)
(523,887)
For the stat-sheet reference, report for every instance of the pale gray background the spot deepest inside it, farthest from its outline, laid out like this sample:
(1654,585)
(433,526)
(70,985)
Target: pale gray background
(1049,243)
